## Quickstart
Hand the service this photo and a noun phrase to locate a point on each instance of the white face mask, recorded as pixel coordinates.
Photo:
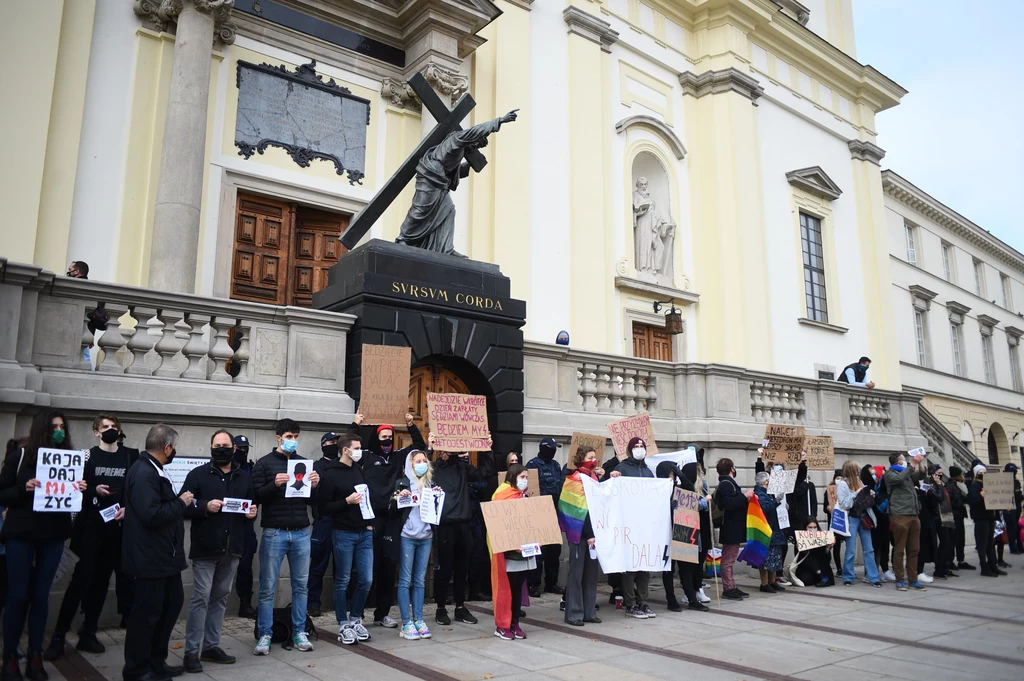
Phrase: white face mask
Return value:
(356, 454)
(777, 468)
(522, 484)
(639, 453)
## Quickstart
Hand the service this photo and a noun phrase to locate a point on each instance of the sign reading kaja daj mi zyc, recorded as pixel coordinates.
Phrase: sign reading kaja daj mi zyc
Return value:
(300, 113)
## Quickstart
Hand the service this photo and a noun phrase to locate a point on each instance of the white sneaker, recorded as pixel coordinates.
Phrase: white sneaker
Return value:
(262, 646)
(360, 631)
(781, 580)
(701, 597)
(881, 576)
(347, 635)
(925, 579)
(890, 576)
(387, 622)
(301, 642)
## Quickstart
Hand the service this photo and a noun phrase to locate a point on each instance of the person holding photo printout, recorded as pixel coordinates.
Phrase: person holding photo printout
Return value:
(904, 510)
(509, 569)
(574, 520)
(223, 494)
(95, 538)
(342, 496)
(284, 505)
(858, 500)
(34, 539)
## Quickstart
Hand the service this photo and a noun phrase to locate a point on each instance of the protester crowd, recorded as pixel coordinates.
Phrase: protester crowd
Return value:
(360, 518)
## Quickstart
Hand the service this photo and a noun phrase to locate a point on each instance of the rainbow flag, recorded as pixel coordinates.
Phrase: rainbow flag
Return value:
(759, 535)
(572, 509)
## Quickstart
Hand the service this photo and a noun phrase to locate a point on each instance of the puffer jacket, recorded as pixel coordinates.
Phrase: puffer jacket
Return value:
(276, 510)
(631, 468)
(902, 491)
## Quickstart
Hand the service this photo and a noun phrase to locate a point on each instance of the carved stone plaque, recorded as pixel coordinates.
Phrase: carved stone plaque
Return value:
(299, 112)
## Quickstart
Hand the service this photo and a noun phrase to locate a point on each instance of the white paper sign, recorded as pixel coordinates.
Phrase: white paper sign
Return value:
(408, 501)
(593, 552)
(431, 504)
(783, 514)
(917, 451)
(782, 482)
(232, 505)
(298, 479)
(530, 550)
(177, 470)
(364, 502)
(109, 512)
(58, 471)
(689, 455)
(632, 523)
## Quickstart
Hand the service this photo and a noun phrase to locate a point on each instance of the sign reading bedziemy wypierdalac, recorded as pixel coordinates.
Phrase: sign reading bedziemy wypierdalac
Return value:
(384, 384)
(632, 523)
(458, 422)
(58, 471)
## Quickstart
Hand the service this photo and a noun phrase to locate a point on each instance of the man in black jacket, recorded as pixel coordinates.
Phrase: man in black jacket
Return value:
(729, 497)
(320, 545)
(243, 578)
(382, 465)
(153, 552)
(959, 505)
(984, 525)
(218, 532)
(454, 537)
(285, 523)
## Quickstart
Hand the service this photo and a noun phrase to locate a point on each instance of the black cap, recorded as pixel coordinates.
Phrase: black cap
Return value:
(241, 441)
(328, 436)
(1010, 468)
(550, 443)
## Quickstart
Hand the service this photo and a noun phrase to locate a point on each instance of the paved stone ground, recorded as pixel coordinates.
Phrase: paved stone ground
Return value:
(967, 628)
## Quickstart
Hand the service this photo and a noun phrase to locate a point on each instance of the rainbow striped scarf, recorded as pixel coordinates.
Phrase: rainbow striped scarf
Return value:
(759, 535)
(572, 508)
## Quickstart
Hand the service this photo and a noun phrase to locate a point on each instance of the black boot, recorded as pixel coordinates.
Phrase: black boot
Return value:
(55, 651)
(11, 670)
(247, 611)
(34, 667)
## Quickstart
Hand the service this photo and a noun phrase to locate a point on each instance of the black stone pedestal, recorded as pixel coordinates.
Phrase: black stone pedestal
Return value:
(451, 311)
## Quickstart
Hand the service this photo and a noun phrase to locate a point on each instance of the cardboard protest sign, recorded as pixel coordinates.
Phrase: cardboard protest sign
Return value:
(781, 443)
(833, 496)
(458, 422)
(821, 455)
(179, 469)
(807, 540)
(632, 525)
(586, 440)
(685, 526)
(384, 384)
(624, 430)
(232, 505)
(998, 491)
(514, 523)
(532, 478)
(59, 471)
(782, 482)
(298, 479)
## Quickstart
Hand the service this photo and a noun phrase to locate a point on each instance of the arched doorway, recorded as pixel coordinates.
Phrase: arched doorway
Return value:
(998, 445)
(426, 379)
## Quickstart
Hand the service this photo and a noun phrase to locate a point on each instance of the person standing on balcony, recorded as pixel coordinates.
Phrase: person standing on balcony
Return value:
(285, 523)
(904, 510)
(243, 578)
(857, 374)
(549, 473)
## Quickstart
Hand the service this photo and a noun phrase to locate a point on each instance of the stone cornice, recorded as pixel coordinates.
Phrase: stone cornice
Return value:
(716, 82)
(524, 4)
(815, 181)
(922, 293)
(586, 25)
(866, 151)
(162, 15)
(985, 320)
(799, 10)
(957, 308)
(1013, 331)
(944, 216)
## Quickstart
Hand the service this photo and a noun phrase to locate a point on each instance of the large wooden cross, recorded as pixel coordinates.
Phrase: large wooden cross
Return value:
(447, 123)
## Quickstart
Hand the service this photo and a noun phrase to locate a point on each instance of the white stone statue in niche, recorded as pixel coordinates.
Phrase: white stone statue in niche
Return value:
(653, 236)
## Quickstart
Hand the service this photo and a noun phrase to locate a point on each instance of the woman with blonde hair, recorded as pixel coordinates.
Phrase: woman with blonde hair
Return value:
(857, 500)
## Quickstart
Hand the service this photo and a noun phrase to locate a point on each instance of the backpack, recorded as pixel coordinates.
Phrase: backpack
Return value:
(281, 628)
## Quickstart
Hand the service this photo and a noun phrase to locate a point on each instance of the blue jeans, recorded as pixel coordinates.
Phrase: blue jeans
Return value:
(349, 547)
(31, 567)
(870, 567)
(412, 571)
(275, 546)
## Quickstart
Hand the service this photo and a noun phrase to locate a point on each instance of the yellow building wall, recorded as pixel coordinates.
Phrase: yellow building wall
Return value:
(403, 131)
(954, 413)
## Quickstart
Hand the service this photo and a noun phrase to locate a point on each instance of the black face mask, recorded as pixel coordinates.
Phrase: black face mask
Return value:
(110, 435)
(330, 451)
(170, 457)
(222, 455)
(547, 453)
(386, 444)
(241, 455)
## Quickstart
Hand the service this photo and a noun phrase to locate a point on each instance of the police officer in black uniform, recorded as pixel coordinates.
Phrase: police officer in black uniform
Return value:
(243, 580)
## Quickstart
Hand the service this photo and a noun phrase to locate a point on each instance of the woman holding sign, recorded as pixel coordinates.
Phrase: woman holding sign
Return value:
(857, 500)
(509, 569)
(34, 540)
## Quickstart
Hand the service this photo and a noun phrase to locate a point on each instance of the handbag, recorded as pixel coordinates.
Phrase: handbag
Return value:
(840, 523)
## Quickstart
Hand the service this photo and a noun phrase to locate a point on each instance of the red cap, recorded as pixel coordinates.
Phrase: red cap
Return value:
(384, 426)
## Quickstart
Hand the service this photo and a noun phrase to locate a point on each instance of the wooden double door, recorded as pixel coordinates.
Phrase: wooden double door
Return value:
(282, 251)
(651, 342)
(431, 378)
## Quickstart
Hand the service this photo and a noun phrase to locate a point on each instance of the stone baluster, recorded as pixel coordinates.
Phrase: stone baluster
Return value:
(787, 403)
(220, 351)
(584, 387)
(652, 392)
(169, 344)
(776, 403)
(111, 340)
(195, 349)
(241, 356)
(141, 341)
(602, 396)
(590, 383)
(629, 401)
(755, 400)
(641, 392)
(617, 392)
(87, 340)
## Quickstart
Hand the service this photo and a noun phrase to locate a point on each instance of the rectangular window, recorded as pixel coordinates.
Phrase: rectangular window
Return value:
(979, 278)
(947, 262)
(988, 359)
(921, 333)
(908, 231)
(1007, 294)
(814, 268)
(956, 338)
(1015, 368)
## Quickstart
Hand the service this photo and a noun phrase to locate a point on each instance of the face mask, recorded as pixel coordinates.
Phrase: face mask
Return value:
(874, 477)
(420, 469)
(386, 444)
(639, 453)
(110, 435)
(521, 484)
(170, 457)
(330, 451)
(588, 465)
(776, 468)
(221, 455)
(547, 453)
(58, 436)
(289, 446)
(241, 455)
(356, 454)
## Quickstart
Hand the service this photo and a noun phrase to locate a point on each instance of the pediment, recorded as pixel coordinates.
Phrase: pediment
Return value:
(815, 181)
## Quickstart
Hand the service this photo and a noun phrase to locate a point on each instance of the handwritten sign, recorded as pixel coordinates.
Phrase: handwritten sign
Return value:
(586, 440)
(632, 523)
(458, 422)
(821, 455)
(513, 523)
(781, 443)
(59, 471)
(782, 482)
(232, 505)
(532, 480)
(624, 430)
(998, 491)
(298, 479)
(384, 384)
(807, 540)
(685, 526)
(833, 497)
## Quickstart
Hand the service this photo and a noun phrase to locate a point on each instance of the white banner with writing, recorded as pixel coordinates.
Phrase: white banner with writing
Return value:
(632, 523)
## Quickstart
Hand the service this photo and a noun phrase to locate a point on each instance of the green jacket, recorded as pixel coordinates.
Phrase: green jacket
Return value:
(902, 493)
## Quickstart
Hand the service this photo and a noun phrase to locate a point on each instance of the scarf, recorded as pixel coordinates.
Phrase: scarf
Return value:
(572, 506)
(898, 469)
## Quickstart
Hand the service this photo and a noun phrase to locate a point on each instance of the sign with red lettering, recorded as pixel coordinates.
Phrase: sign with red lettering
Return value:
(624, 430)
(685, 526)
(514, 523)
(458, 422)
(632, 523)
(58, 471)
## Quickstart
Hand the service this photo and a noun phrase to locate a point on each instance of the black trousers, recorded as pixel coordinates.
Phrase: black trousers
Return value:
(689, 577)
(881, 540)
(944, 551)
(243, 578)
(479, 559)
(321, 547)
(515, 584)
(383, 570)
(154, 613)
(452, 545)
(959, 536)
(547, 567)
(983, 541)
(90, 580)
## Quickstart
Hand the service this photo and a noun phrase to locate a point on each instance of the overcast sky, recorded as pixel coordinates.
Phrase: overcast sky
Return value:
(959, 134)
